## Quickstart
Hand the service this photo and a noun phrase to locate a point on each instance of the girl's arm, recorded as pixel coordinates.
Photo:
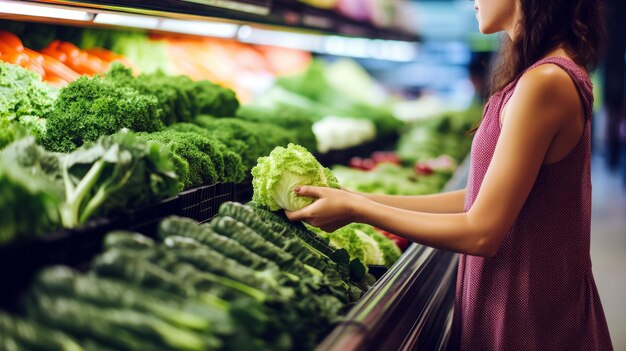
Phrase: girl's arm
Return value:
(448, 202)
(544, 102)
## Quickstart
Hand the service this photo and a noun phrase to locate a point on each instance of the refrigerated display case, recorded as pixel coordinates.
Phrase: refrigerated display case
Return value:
(411, 304)
(410, 307)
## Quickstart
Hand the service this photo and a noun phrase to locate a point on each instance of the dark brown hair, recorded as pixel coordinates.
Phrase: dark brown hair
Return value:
(544, 25)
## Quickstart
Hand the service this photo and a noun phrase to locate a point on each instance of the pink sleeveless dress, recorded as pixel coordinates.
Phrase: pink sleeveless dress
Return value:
(538, 291)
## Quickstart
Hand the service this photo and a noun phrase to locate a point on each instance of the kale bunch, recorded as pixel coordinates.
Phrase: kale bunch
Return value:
(92, 107)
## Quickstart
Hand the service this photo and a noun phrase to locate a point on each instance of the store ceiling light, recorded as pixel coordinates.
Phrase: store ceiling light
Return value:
(145, 22)
(18, 8)
(211, 29)
(299, 41)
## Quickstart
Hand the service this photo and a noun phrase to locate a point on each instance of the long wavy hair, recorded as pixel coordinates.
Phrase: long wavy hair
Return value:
(545, 24)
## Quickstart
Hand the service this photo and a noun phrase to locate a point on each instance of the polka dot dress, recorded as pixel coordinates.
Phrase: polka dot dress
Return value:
(538, 291)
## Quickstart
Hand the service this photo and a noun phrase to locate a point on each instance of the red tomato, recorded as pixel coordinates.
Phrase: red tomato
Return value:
(422, 169)
(385, 157)
(356, 162)
(368, 164)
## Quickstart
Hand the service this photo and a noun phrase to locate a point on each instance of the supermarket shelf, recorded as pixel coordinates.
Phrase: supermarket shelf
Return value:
(342, 157)
(410, 306)
(20, 260)
(279, 14)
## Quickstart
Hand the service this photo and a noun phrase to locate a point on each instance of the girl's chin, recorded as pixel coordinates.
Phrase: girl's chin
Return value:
(485, 29)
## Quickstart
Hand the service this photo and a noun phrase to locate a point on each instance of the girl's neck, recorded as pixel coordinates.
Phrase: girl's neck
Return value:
(561, 50)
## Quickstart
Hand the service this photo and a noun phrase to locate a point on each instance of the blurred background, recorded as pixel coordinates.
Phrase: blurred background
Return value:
(415, 61)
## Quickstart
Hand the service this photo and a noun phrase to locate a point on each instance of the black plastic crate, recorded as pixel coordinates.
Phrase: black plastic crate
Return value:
(145, 219)
(243, 191)
(203, 203)
(22, 259)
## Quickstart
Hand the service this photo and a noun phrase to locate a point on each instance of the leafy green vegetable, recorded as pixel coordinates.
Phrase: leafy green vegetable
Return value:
(389, 178)
(228, 163)
(253, 241)
(311, 82)
(36, 126)
(199, 166)
(391, 252)
(126, 329)
(320, 84)
(172, 226)
(214, 100)
(347, 239)
(275, 176)
(92, 107)
(22, 93)
(364, 243)
(372, 254)
(29, 199)
(248, 139)
(291, 119)
(442, 134)
(126, 239)
(110, 293)
(279, 236)
(31, 335)
(209, 161)
(27, 154)
(119, 171)
(136, 271)
(149, 55)
(174, 93)
(10, 131)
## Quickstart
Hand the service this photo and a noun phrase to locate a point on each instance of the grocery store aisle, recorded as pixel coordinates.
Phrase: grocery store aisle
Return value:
(608, 246)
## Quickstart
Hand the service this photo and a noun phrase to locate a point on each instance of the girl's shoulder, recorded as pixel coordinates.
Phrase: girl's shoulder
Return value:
(552, 80)
(547, 77)
(549, 92)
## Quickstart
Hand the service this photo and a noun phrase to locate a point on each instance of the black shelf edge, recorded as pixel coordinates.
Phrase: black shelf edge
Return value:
(279, 13)
(342, 157)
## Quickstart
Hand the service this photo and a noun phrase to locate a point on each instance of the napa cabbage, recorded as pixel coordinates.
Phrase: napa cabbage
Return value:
(275, 176)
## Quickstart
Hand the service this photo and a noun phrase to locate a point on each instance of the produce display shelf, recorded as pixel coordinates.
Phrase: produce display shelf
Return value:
(21, 259)
(280, 14)
(410, 306)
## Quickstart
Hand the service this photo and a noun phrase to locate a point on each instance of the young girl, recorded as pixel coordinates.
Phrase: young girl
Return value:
(522, 225)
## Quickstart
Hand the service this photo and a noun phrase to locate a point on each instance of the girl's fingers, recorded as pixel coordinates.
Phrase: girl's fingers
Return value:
(307, 190)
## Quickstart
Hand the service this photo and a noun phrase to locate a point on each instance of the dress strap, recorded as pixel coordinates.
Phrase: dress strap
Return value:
(579, 76)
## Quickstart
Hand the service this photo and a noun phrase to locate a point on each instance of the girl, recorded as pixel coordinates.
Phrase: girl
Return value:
(522, 225)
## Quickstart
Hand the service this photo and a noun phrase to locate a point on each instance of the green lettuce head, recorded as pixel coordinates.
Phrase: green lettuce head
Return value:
(275, 176)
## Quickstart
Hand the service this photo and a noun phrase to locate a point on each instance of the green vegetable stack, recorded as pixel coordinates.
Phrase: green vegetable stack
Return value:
(92, 107)
(248, 139)
(247, 280)
(42, 191)
(288, 118)
(116, 172)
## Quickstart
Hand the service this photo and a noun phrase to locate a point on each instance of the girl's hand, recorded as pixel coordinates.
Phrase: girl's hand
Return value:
(332, 210)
